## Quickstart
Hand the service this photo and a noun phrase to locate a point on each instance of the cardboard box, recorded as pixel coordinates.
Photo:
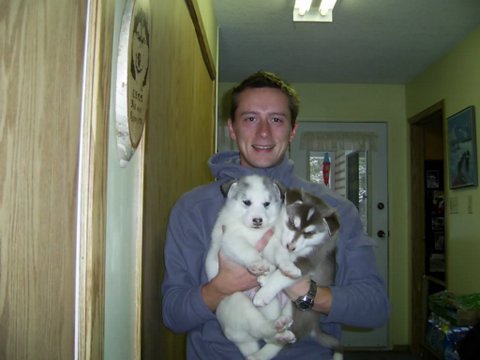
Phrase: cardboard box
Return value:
(463, 310)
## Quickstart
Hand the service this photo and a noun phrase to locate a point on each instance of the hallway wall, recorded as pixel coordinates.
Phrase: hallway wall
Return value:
(455, 79)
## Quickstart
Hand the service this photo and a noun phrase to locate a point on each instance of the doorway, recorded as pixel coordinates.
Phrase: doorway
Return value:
(356, 154)
(428, 252)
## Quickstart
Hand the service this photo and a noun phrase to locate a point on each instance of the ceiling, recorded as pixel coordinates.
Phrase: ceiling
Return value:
(369, 41)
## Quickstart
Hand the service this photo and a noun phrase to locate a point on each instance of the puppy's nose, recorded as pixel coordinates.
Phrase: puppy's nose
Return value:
(257, 221)
(291, 247)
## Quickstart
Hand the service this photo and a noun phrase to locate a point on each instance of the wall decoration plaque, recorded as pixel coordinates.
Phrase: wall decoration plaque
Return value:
(132, 87)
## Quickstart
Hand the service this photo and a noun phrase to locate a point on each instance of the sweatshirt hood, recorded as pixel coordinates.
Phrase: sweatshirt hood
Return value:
(226, 166)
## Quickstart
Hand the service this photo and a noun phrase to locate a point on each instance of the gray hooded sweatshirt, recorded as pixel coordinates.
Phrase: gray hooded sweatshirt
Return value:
(359, 295)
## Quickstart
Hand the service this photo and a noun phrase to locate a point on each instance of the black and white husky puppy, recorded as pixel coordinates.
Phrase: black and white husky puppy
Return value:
(305, 248)
(252, 207)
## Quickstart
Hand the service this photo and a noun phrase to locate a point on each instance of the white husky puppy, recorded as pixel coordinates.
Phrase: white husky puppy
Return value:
(253, 204)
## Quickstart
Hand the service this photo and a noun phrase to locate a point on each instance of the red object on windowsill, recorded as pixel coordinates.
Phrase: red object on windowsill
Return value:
(326, 169)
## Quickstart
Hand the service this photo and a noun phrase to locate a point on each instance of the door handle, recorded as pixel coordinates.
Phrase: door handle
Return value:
(381, 233)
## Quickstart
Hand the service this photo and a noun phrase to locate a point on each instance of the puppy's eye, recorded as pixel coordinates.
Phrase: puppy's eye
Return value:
(308, 234)
(266, 204)
(290, 224)
(247, 202)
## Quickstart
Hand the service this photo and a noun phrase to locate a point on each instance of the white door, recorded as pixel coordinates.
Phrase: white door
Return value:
(356, 155)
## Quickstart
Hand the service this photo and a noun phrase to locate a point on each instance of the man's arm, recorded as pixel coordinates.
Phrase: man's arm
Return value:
(183, 307)
(361, 301)
(360, 298)
(323, 297)
(231, 278)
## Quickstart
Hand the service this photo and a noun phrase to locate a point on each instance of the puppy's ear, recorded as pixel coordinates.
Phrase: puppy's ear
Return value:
(294, 196)
(329, 213)
(281, 188)
(332, 223)
(225, 187)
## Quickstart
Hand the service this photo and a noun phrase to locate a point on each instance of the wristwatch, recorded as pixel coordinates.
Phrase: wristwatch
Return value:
(305, 302)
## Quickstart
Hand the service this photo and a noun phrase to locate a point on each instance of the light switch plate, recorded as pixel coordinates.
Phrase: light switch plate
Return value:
(453, 205)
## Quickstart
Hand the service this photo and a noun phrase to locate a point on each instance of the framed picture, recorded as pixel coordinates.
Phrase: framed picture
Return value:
(439, 241)
(433, 179)
(438, 223)
(438, 203)
(462, 149)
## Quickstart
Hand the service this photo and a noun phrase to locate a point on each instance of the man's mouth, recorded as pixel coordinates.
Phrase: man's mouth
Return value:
(263, 147)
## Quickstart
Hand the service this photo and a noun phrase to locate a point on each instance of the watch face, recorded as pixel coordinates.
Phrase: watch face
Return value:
(303, 306)
(304, 303)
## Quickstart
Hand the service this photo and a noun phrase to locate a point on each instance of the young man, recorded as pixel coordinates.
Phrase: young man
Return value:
(262, 123)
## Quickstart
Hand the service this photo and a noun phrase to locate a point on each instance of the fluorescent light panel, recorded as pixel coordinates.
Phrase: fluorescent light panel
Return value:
(303, 11)
(326, 6)
(303, 6)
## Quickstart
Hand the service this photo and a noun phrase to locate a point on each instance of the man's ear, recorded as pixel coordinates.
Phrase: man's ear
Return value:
(231, 131)
(294, 131)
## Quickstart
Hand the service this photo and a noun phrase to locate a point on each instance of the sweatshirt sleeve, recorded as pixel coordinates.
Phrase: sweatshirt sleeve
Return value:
(183, 308)
(359, 295)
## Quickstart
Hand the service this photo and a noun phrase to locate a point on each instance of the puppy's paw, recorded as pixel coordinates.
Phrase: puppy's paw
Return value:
(262, 279)
(262, 297)
(286, 337)
(283, 323)
(289, 269)
(260, 267)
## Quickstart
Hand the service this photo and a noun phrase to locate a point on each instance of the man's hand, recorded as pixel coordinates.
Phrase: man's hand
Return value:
(323, 298)
(231, 277)
(264, 240)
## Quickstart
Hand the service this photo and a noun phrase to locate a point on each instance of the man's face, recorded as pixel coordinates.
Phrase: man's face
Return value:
(262, 128)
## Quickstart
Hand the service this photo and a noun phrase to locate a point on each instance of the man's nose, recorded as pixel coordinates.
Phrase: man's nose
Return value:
(264, 128)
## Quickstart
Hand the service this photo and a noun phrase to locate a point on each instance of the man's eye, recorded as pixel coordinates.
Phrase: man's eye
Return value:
(250, 118)
(266, 204)
(247, 202)
(277, 120)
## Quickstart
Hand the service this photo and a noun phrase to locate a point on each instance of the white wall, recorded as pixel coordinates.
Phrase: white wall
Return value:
(122, 232)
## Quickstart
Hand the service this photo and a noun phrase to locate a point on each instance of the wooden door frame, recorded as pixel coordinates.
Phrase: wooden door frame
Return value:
(417, 221)
(91, 190)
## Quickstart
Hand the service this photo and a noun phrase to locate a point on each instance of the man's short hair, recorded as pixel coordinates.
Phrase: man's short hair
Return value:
(265, 79)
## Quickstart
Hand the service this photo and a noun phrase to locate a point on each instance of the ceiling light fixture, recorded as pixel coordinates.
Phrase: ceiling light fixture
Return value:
(326, 7)
(302, 11)
(303, 6)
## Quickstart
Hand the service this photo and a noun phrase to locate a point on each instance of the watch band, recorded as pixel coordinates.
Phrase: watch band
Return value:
(305, 302)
